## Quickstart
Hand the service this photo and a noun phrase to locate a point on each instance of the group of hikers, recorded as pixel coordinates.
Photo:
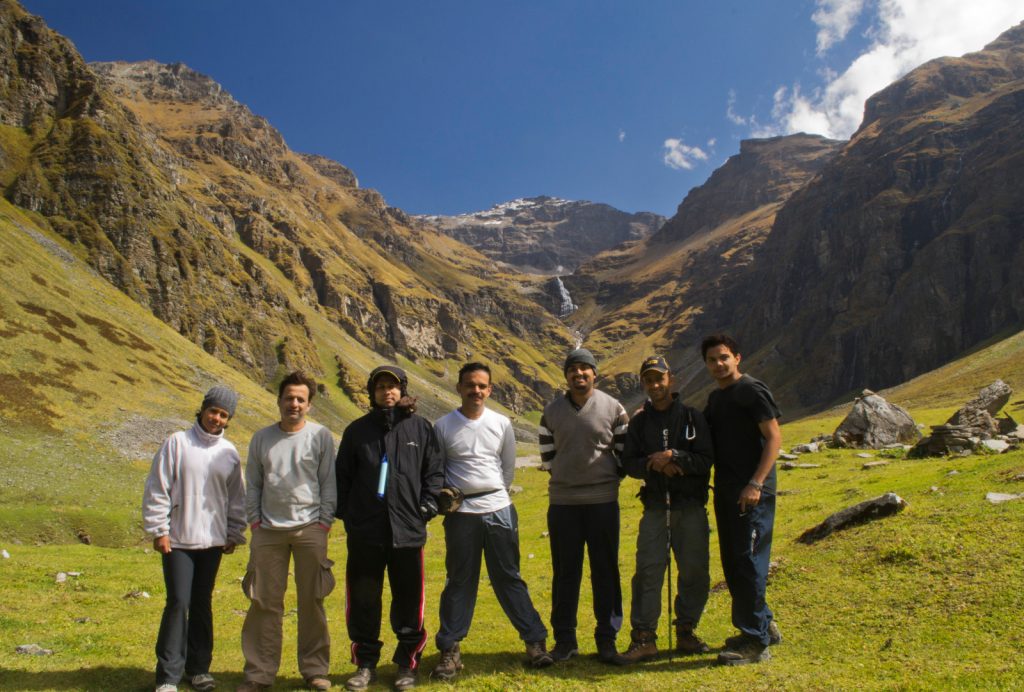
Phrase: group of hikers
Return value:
(394, 472)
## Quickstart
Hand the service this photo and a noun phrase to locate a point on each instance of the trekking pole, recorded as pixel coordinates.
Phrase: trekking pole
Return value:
(668, 533)
(668, 541)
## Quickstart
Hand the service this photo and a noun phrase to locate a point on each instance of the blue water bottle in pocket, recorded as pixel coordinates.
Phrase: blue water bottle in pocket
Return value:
(382, 480)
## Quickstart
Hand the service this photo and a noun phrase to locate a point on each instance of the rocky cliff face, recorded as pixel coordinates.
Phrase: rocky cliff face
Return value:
(545, 234)
(195, 207)
(905, 251)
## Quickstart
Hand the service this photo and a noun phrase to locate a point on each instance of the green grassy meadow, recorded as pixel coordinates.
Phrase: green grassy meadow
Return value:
(928, 599)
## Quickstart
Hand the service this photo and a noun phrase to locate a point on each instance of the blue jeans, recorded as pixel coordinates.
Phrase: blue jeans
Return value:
(185, 643)
(690, 533)
(496, 536)
(745, 543)
(570, 529)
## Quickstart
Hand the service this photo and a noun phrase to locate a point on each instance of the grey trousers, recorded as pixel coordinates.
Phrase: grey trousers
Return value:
(185, 643)
(496, 536)
(690, 533)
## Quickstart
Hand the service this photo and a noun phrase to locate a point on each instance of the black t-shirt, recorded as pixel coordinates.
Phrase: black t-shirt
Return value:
(734, 414)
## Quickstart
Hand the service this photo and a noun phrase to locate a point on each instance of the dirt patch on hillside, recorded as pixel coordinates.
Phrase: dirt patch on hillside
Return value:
(138, 437)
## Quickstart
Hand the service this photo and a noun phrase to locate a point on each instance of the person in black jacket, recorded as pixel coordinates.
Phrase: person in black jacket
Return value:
(669, 446)
(390, 470)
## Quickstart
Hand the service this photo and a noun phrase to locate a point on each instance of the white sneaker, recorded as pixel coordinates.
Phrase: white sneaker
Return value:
(167, 688)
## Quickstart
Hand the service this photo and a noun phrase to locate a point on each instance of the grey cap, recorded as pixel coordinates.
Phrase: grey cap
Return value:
(221, 397)
(580, 355)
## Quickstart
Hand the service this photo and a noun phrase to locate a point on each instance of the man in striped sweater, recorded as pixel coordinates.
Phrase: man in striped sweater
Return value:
(581, 437)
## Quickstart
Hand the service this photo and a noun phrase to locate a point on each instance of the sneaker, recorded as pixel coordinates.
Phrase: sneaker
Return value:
(318, 682)
(749, 650)
(450, 665)
(362, 679)
(774, 637)
(538, 654)
(203, 682)
(250, 686)
(563, 651)
(607, 653)
(167, 687)
(641, 648)
(689, 643)
(406, 678)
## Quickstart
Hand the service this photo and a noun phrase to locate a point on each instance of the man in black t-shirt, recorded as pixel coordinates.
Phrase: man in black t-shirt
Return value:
(744, 422)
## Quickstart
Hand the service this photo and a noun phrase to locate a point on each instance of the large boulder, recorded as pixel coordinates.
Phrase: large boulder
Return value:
(874, 423)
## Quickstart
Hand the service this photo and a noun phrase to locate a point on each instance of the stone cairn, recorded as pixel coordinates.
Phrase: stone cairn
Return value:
(972, 425)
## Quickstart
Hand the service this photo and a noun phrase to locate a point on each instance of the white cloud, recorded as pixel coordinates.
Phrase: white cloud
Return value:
(680, 156)
(712, 142)
(622, 135)
(903, 35)
(730, 110)
(835, 18)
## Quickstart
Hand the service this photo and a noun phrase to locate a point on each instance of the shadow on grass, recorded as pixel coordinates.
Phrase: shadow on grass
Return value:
(585, 668)
(111, 679)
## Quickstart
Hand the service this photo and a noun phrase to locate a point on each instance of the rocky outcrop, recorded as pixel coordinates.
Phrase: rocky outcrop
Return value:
(765, 172)
(973, 427)
(546, 234)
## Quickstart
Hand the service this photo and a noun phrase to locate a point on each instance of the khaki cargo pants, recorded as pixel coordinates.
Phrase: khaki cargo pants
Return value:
(265, 582)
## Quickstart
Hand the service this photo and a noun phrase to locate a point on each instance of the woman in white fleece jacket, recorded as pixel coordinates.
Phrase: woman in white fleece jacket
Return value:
(194, 507)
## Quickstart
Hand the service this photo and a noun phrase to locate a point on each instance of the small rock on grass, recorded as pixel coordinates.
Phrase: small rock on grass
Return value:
(874, 464)
(999, 498)
(6, 555)
(135, 593)
(33, 650)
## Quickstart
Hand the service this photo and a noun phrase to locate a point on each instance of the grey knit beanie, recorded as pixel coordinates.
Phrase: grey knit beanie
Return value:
(221, 397)
(580, 355)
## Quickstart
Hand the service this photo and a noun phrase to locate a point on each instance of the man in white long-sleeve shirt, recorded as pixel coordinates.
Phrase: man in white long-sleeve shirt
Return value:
(480, 460)
(290, 500)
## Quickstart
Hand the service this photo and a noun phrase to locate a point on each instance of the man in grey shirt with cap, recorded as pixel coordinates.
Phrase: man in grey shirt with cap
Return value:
(581, 437)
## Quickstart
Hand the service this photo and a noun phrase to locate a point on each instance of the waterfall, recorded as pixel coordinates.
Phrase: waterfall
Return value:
(567, 307)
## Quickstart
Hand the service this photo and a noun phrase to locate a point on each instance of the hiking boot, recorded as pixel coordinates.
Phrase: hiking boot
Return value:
(774, 637)
(406, 678)
(563, 651)
(688, 643)
(362, 679)
(607, 653)
(319, 683)
(749, 650)
(538, 654)
(203, 682)
(641, 648)
(450, 665)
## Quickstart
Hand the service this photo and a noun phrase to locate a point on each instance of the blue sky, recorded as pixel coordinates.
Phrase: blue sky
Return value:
(448, 107)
